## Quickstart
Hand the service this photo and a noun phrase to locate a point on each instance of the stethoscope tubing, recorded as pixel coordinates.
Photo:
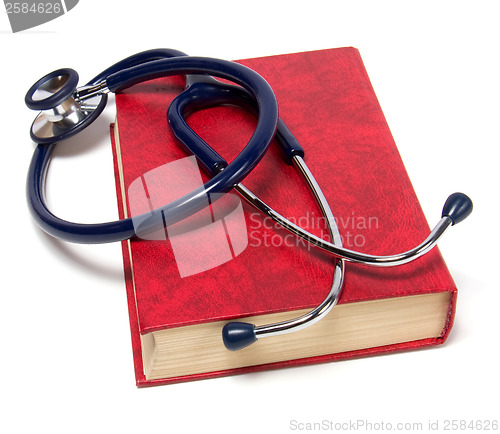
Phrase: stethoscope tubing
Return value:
(183, 207)
(135, 60)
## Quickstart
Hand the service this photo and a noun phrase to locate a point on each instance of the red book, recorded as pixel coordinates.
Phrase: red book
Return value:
(326, 99)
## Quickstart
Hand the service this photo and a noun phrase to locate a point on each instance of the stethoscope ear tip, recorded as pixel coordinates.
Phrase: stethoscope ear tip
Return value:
(238, 335)
(457, 207)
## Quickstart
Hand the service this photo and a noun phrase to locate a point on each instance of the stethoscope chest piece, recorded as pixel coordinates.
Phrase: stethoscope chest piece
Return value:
(64, 109)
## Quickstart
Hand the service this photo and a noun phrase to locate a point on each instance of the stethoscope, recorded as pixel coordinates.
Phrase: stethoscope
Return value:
(66, 109)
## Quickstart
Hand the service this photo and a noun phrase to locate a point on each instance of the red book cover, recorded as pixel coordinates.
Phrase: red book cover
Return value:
(326, 100)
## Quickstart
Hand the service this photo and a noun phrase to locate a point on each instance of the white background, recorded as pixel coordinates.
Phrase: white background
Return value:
(66, 360)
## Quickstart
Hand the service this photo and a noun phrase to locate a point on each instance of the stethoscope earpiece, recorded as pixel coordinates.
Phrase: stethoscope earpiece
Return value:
(457, 207)
(63, 110)
(238, 335)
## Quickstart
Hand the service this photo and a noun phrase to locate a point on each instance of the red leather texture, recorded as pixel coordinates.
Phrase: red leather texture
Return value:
(327, 101)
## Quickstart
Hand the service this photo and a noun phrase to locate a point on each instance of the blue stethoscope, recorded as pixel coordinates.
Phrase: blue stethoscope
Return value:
(66, 109)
